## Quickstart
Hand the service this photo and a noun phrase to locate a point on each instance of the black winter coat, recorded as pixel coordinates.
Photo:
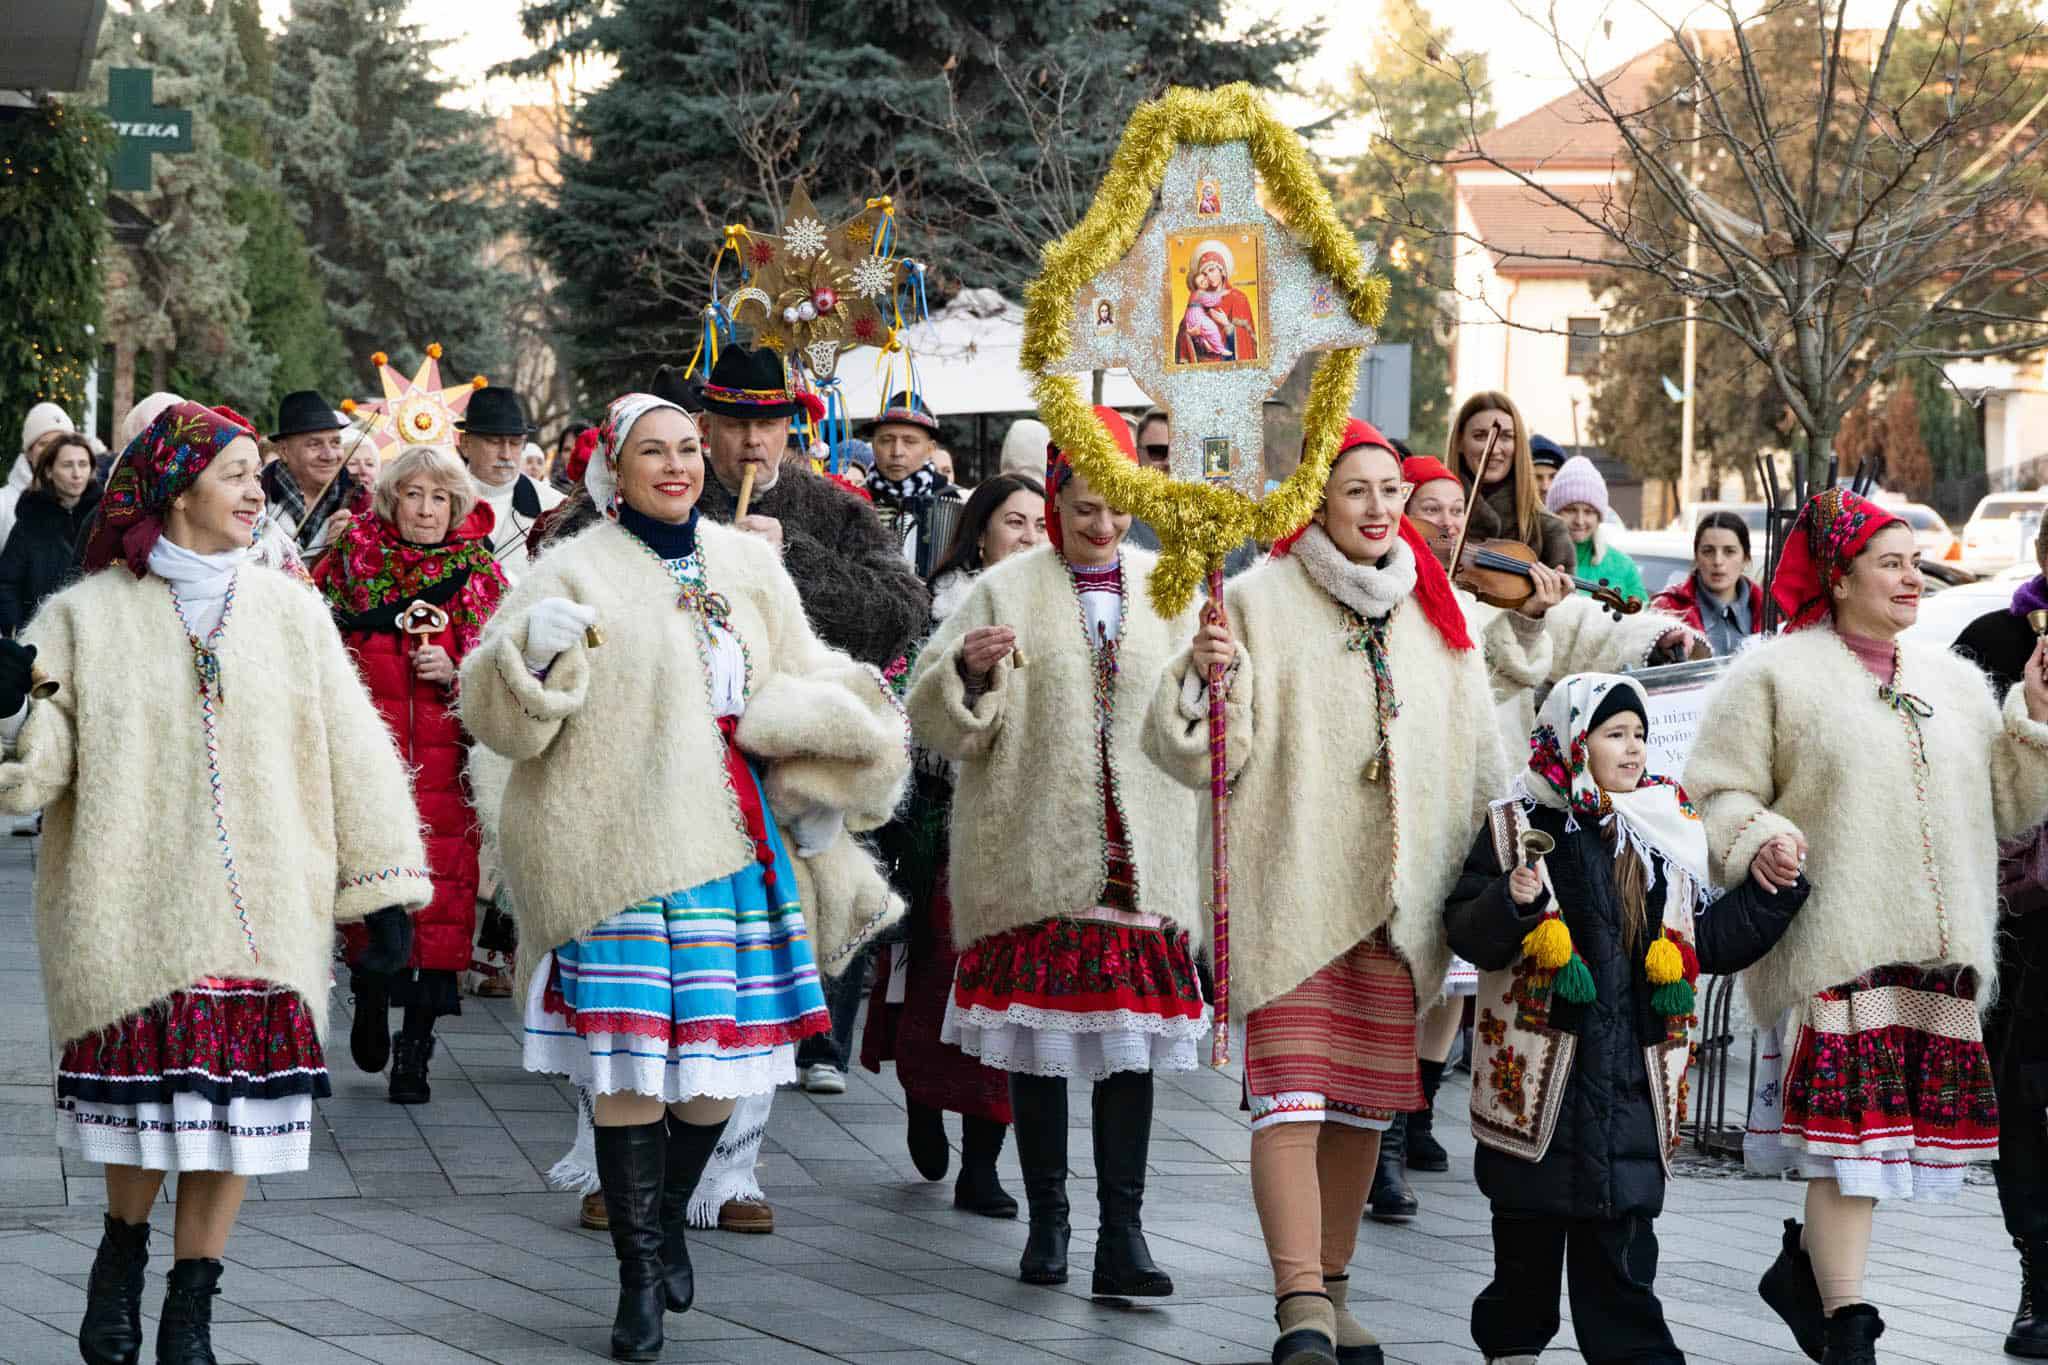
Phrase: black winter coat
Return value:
(1603, 1161)
(42, 552)
(2016, 1029)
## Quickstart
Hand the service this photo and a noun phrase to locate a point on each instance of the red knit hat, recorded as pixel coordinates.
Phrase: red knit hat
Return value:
(1433, 592)
(1059, 470)
(1422, 469)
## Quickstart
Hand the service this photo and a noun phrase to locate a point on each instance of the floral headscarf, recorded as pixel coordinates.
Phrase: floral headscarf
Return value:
(1656, 819)
(158, 465)
(1831, 531)
(372, 575)
(601, 476)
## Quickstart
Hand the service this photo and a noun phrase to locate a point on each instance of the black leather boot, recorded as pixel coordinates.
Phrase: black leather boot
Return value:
(184, 1334)
(1308, 1330)
(1424, 1152)
(2029, 1334)
(1853, 1331)
(977, 1190)
(1794, 1295)
(369, 1033)
(1390, 1200)
(689, 1151)
(925, 1135)
(111, 1333)
(409, 1070)
(1039, 1106)
(631, 1162)
(1123, 1136)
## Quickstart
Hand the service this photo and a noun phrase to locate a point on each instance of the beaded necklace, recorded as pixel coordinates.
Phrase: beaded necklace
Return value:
(206, 666)
(1368, 636)
(695, 595)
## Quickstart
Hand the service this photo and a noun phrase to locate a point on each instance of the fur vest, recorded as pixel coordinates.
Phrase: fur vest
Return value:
(1322, 856)
(153, 858)
(1903, 852)
(1029, 811)
(612, 797)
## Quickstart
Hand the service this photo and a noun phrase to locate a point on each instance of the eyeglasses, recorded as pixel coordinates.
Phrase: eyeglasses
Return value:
(1158, 452)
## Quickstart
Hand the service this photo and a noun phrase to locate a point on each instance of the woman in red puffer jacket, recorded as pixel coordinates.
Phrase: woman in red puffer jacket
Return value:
(411, 586)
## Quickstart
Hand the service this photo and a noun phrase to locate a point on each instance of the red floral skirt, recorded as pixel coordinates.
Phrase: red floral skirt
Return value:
(934, 1073)
(1082, 967)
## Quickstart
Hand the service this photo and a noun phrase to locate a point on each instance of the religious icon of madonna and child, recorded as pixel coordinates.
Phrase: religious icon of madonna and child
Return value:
(1214, 286)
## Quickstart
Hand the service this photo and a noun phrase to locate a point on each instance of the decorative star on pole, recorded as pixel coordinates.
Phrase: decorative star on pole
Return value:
(415, 411)
(819, 289)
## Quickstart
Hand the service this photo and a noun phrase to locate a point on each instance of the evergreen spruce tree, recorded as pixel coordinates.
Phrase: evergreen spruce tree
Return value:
(395, 191)
(989, 126)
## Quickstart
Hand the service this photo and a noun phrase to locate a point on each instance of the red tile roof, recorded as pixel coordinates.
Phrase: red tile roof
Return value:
(1527, 231)
(1571, 129)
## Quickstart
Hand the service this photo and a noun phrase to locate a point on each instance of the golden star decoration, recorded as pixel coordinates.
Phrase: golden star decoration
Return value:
(819, 290)
(416, 411)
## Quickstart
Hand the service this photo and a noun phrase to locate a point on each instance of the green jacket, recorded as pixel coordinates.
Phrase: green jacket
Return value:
(1614, 568)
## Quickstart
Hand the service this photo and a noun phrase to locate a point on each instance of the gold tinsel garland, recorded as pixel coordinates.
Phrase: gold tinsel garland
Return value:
(1198, 524)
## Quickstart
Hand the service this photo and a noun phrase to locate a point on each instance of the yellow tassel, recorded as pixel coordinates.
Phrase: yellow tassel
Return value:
(1663, 963)
(1199, 524)
(1549, 943)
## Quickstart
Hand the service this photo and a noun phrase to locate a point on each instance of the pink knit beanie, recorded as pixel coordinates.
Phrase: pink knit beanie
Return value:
(1578, 481)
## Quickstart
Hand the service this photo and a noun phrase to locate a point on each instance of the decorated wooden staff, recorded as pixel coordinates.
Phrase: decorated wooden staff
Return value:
(1209, 263)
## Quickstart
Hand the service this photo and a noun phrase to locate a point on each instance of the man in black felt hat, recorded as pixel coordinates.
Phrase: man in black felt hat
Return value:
(493, 432)
(307, 483)
(915, 502)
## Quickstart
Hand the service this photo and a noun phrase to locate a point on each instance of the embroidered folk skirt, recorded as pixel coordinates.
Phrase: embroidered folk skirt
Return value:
(1881, 1084)
(907, 1014)
(705, 991)
(220, 1076)
(1338, 1048)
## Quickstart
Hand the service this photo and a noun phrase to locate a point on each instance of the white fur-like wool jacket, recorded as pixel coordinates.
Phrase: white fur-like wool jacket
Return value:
(1028, 811)
(1320, 857)
(140, 872)
(1796, 740)
(1578, 635)
(617, 790)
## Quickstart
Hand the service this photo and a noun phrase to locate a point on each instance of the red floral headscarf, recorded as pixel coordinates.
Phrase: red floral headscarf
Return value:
(1059, 470)
(165, 460)
(1432, 585)
(1831, 531)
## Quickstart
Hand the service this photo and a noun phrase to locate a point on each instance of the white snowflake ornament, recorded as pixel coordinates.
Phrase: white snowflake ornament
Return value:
(804, 238)
(874, 277)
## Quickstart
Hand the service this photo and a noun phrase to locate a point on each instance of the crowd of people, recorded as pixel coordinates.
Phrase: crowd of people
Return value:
(688, 748)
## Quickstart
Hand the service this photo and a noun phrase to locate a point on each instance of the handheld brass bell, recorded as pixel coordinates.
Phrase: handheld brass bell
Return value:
(1535, 845)
(592, 637)
(2037, 619)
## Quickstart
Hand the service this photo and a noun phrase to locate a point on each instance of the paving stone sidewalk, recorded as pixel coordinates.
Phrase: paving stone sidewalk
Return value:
(426, 1236)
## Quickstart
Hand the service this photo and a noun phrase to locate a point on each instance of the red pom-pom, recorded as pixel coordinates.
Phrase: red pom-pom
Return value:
(1686, 955)
(813, 405)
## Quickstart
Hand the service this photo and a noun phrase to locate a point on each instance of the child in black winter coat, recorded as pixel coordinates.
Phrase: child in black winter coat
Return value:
(1589, 957)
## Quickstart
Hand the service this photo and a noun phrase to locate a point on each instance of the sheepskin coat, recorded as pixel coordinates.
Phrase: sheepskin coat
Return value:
(1029, 812)
(1320, 857)
(137, 885)
(1796, 740)
(616, 791)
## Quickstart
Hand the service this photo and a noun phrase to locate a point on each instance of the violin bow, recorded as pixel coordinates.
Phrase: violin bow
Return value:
(1458, 550)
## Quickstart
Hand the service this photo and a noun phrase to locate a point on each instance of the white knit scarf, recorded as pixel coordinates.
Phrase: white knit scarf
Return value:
(201, 581)
(1371, 590)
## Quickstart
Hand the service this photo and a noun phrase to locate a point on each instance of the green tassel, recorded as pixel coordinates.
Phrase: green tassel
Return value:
(1674, 998)
(1574, 983)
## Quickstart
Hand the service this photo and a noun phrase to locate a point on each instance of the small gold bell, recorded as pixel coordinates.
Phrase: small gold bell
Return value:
(1375, 768)
(2037, 620)
(592, 637)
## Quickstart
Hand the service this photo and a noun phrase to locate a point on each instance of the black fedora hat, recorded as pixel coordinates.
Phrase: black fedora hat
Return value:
(748, 383)
(305, 411)
(904, 410)
(673, 382)
(495, 411)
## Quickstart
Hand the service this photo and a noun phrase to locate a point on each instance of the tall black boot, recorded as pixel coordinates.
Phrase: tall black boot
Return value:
(184, 1334)
(1039, 1106)
(2029, 1334)
(925, 1135)
(369, 1033)
(1794, 1295)
(1853, 1330)
(1425, 1153)
(1123, 1136)
(630, 1167)
(1391, 1201)
(689, 1151)
(409, 1067)
(977, 1190)
(111, 1333)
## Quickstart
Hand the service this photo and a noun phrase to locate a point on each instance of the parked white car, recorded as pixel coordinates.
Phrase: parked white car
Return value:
(2001, 531)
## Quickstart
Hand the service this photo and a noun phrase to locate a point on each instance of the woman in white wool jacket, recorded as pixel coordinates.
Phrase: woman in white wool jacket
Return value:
(1072, 861)
(1887, 770)
(218, 794)
(674, 972)
(1360, 722)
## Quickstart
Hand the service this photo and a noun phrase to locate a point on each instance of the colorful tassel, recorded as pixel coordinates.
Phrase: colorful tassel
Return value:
(1549, 943)
(1574, 984)
(1663, 963)
(1690, 958)
(1673, 998)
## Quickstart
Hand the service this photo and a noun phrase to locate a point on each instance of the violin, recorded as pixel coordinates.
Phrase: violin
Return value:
(1497, 573)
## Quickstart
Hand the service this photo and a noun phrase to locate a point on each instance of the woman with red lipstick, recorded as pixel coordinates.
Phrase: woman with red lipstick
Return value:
(1361, 727)
(1075, 956)
(1874, 1082)
(638, 751)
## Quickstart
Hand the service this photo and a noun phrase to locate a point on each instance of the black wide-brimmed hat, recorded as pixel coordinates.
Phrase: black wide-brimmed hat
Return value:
(673, 383)
(306, 411)
(495, 411)
(748, 383)
(904, 410)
